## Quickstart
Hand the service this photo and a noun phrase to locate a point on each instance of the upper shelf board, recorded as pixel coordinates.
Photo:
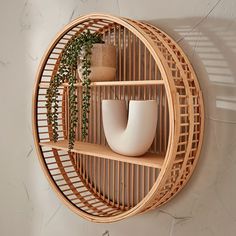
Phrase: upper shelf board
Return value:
(115, 83)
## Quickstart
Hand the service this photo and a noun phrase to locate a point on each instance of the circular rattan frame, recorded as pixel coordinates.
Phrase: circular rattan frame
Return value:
(136, 187)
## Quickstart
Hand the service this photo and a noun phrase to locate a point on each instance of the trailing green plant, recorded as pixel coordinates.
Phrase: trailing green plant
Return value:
(78, 49)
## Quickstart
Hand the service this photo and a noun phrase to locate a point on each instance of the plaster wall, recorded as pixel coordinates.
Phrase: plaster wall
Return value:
(206, 30)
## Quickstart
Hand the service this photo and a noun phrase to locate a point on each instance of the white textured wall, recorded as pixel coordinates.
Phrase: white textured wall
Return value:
(206, 29)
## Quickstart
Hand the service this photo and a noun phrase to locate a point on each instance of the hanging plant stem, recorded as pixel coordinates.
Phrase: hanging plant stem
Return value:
(72, 111)
(52, 105)
(86, 63)
(80, 47)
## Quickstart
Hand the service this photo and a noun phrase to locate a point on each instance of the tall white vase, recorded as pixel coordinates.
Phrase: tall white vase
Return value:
(132, 134)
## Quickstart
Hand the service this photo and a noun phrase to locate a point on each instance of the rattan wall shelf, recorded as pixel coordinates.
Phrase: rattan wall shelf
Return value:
(92, 180)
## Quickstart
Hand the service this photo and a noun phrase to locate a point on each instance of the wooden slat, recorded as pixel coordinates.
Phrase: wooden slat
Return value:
(149, 159)
(115, 83)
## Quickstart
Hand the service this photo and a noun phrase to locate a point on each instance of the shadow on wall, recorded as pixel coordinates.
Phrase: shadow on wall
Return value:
(210, 44)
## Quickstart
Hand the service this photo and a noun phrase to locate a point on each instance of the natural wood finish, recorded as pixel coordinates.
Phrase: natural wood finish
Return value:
(114, 83)
(92, 180)
(148, 159)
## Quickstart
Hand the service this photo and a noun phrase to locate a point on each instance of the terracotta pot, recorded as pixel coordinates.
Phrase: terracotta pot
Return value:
(129, 134)
(103, 63)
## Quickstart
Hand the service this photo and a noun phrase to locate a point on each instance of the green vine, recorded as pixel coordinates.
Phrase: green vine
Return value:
(79, 48)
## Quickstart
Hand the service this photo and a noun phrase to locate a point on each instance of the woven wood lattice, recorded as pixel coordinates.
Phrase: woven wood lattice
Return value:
(93, 181)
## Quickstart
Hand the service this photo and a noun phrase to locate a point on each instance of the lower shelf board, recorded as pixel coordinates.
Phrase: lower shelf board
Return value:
(148, 159)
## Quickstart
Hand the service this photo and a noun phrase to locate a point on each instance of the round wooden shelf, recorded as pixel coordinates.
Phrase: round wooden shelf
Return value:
(92, 180)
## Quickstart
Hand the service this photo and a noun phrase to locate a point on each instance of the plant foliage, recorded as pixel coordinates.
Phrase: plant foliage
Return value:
(78, 49)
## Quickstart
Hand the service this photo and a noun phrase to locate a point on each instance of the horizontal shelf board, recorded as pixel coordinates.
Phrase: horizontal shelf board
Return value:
(148, 159)
(114, 83)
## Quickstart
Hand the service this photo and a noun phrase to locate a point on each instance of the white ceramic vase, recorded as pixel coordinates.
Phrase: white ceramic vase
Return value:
(129, 134)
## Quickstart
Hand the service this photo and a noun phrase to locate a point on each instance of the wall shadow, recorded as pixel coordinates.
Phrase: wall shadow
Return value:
(211, 47)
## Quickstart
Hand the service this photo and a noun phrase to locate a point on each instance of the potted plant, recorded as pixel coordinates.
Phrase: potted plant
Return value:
(88, 53)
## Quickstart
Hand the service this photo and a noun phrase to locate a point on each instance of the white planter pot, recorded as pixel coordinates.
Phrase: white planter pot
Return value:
(132, 134)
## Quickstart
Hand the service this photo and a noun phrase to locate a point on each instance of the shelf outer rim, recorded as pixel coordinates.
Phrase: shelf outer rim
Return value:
(171, 96)
(201, 99)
